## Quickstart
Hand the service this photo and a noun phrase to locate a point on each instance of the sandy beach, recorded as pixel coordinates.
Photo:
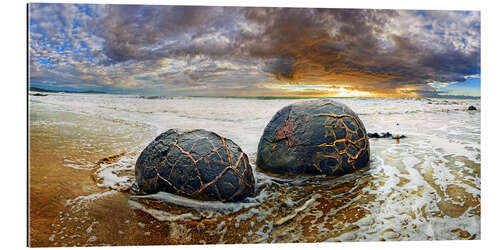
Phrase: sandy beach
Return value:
(83, 148)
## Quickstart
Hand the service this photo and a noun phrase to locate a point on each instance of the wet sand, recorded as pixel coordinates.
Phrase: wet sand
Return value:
(58, 176)
(81, 174)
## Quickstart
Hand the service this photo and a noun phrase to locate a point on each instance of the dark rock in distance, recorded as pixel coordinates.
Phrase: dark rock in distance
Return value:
(199, 164)
(377, 135)
(472, 108)
(385, 135)
(314, 137)
(397, 137)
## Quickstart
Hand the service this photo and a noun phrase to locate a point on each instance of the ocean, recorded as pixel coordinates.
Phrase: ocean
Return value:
(83, 148)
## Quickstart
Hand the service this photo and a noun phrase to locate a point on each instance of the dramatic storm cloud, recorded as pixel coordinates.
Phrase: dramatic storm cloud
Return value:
(175, 50)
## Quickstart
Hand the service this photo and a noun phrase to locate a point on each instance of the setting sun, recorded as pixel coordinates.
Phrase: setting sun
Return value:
(321, 90)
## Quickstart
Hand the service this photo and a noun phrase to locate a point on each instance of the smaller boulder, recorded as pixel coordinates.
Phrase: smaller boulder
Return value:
(471, 108)
(199, 164)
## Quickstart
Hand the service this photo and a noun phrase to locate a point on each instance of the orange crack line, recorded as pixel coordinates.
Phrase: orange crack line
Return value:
(195, 143)
(340, 140)
(345, 126)
(188, 154)
(214, 180)
(172, 167)
(336, 116)
(216, 150)
(348, 132)
(223, 172)
(185, 152)
(227, 150)
(167, 181)
(235, 193)
(235, 168)
(319, 169)
(237, 162)
(176, 189)
(161, 177)
(175, 163)
(245, 170)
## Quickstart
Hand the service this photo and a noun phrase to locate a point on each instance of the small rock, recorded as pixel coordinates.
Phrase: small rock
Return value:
(398, 136)
(386, 135)
(472, 108)
(377, 135)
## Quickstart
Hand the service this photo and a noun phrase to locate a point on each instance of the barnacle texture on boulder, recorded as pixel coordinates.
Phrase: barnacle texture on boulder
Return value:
(314, 137)
(199, 164)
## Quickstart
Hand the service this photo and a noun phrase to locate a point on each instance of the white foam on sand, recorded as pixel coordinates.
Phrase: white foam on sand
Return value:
(450, 147)
(296, 211)
(404, 205)
(162, 215)
(118, 174)
(242, 120)
(197, 204)
(82, 202)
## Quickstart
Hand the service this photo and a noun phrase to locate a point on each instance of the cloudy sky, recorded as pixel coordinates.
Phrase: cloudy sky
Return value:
(228, 51)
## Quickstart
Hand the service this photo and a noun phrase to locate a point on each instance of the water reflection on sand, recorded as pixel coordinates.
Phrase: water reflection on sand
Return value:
(83, 150)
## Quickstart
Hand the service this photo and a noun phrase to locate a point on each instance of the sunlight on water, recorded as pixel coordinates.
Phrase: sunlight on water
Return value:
(426, 187)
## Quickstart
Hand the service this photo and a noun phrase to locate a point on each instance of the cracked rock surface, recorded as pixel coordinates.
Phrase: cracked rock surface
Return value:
(198, 164)
(314, 137)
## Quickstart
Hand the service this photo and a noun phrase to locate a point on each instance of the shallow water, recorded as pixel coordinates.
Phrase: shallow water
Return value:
(83, 150)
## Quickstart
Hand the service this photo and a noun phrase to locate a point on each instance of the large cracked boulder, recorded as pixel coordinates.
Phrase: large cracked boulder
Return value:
(199, 164)
(314, 137)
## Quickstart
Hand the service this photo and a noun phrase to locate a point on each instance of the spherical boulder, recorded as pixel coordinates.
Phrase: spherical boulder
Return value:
(199, 164)
(314, 137)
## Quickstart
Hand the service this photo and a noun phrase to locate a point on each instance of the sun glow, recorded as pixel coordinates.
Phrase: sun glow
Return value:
(321, 90)
(408, 92)
(343, 92)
